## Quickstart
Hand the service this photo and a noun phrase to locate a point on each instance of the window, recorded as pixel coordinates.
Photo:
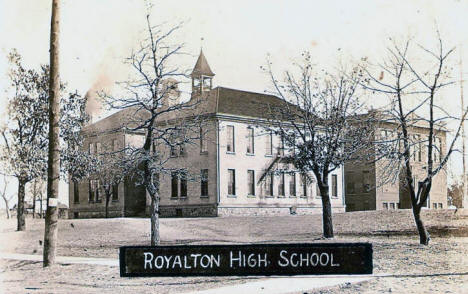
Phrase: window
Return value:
(230, 139)
(251, 182)
(281, 146)
(76, 192)
(250, 138)
(174, 185)
(115, 192)
(392, 205)
(114, 145)
(183, 184)
(437, 147)
(269, 144)
(231, 182)
(385, 205)
(96, 189)
(98, 148)
(440, 206)
(173, 151)
(204, 183)
(350, 183)
(93, 191)
(292, 184)
(334, 186)
(435, 150)
(292, 148)
(434, 205)
(304, 185)
(269, 185)
(365, 181)
(203, 142)
(418, 146)
(182, 151)
(90, 191)
(91, 148)
(173, 145)
(440, 152)
(281, 185)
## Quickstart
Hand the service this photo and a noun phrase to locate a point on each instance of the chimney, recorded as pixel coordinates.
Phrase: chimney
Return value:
(171, 93)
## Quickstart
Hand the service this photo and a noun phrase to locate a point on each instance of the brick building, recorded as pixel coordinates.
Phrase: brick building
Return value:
(370, 186)
(233, 155)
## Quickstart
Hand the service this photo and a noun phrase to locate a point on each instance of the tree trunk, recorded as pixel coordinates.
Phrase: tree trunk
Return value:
(7, 207)
(40, 209)
(424, 236)
(53, 163)
(20, 207)
(34, 199)
(155, 238)
(327, 221)
(108, 195)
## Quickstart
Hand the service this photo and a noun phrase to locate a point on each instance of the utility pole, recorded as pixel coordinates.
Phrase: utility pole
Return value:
(53, 162)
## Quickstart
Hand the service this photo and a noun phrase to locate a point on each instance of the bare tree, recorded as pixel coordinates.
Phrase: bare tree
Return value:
(112, 168)
(166, 122)
(321, 121)
(5, 197)
(413, 90)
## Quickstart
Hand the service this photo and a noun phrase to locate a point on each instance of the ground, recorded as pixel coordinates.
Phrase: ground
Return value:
(401, 265)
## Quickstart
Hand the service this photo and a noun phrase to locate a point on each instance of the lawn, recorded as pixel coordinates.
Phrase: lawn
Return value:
(403, 266)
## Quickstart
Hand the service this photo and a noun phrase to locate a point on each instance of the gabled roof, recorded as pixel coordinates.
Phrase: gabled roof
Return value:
(244, 103)
(201, 67)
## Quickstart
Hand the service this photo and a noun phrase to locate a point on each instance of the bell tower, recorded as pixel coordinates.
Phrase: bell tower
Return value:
(202, 76)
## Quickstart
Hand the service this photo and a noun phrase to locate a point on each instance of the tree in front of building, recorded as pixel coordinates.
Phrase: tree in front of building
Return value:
(455, 194)
(319, 121)
(152, 94)
(112, 166)
(414, 87)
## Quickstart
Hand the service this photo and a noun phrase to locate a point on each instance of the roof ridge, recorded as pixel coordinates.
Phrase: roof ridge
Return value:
(246, 91)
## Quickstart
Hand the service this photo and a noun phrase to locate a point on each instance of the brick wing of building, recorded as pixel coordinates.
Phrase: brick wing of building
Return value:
(372, 186)
(233, 155)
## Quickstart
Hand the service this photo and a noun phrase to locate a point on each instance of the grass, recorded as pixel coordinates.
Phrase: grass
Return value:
(396, 249)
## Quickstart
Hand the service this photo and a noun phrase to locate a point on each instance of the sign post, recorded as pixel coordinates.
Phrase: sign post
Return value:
(247, 260)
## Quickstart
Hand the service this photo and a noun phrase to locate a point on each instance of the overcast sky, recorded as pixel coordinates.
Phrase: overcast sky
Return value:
(97, 34)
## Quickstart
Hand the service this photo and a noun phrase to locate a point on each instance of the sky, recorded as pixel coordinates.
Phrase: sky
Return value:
(237, 37)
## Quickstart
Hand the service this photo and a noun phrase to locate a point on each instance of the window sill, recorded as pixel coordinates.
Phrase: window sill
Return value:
(231, 152)
(203, 152)
(292, 196)
(115, 200)
(250, 154)
(231, 196)
(174, 198)
(305, 197)
(268, 155)
(204, 196)
(269, 196)
(281, 196)
(250, 196)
